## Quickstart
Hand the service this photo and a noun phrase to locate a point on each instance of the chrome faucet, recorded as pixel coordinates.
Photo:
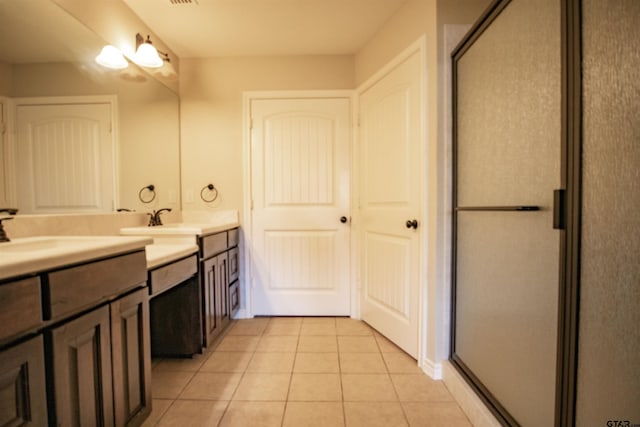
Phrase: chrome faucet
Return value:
(154, 218)
(3, 233)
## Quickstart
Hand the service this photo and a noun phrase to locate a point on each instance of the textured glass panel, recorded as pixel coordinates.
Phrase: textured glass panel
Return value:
(508, 109)
(506, 306)
(508, 147)
(609, 337)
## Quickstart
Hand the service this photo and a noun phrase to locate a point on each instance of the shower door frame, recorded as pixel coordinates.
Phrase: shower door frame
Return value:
(567, 209)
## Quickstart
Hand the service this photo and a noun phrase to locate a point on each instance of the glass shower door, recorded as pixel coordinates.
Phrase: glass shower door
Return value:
(506, 252)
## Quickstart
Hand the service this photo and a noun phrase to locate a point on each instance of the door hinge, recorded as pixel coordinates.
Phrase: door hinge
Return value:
(3, 128)
(251, 204)
(251, 123)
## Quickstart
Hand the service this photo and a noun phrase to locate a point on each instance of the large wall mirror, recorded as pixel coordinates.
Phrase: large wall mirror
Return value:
(47, 63)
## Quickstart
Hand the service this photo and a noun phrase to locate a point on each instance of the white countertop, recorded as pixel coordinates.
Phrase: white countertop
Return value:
(30, 255)
(181, 229)
(163, 253)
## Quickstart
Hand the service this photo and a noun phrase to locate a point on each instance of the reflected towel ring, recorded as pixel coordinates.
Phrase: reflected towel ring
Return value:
(152, 190)
(211, 188)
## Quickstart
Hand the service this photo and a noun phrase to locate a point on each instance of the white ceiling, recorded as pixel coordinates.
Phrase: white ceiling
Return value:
(211, 28)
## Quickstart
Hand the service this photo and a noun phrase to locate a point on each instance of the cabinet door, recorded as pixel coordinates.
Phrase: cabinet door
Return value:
(234, 265)
(234, 297)
(82, 383)
(210, 274)
(22, 385)
(130, 350)
(222, 289)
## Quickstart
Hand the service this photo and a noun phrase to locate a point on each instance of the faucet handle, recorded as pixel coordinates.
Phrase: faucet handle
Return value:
(3, 233)
(152, 219)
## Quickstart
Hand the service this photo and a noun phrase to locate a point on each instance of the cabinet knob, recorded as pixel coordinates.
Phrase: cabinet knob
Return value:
(343, 219)
(412, 223)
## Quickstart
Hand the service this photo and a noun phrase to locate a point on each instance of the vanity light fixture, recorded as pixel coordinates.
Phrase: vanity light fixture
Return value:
(146, 53)
(167, 70)
(112, 57)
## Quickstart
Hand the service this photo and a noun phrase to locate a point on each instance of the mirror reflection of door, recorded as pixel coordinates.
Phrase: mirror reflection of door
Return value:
(65, 158)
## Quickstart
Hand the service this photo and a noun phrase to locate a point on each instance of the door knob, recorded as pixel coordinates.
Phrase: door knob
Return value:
(343, 219)
(412, 223)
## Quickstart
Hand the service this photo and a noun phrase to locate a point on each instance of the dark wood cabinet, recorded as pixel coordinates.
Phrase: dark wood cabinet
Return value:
(234, 297)
(234, 278)
(130, 344)
(176, 321)
(216, 304)
(97, 348)
(219, 275)
(23, 401)
(81, 376)
(234, 265)
(76, 349)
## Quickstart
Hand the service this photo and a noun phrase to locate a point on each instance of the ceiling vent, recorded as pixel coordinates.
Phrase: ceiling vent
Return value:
(183, 1)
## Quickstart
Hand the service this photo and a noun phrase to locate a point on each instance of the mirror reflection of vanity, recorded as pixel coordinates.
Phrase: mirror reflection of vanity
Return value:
(47, 66)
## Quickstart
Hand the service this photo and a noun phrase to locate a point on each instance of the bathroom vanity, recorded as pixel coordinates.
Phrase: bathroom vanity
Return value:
(218, 266)
(74, 340)
(174, 292)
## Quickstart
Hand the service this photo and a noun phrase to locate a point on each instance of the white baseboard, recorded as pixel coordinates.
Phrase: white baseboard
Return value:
(434, 370)
(241, 314)
(473, 407)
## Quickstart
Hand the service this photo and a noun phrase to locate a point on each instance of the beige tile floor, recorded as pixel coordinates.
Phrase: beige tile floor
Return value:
(300, 372)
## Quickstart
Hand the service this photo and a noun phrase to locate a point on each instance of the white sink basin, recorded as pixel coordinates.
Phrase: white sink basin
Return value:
(29, 255)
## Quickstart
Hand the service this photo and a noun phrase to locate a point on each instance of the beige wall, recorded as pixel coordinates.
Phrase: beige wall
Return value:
(211, 94)
(6, 78)
(411, 21)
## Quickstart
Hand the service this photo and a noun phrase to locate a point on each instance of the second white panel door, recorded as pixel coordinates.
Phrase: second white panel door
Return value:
(300, 173)
(390, 159)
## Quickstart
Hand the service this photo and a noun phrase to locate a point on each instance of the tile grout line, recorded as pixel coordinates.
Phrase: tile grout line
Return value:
(286, 400)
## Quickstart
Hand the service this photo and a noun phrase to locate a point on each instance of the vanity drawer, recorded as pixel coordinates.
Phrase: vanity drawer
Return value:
(20, 306)
(77, 287)
(214, 244)
(172, 274)
(233, 237)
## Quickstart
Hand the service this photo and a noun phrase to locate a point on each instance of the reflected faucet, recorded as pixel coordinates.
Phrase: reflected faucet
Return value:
(154, 218)
(3, 233)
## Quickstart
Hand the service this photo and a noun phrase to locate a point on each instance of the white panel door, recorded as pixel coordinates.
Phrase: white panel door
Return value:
(300, 190)
(65, 158)
(391, 157)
